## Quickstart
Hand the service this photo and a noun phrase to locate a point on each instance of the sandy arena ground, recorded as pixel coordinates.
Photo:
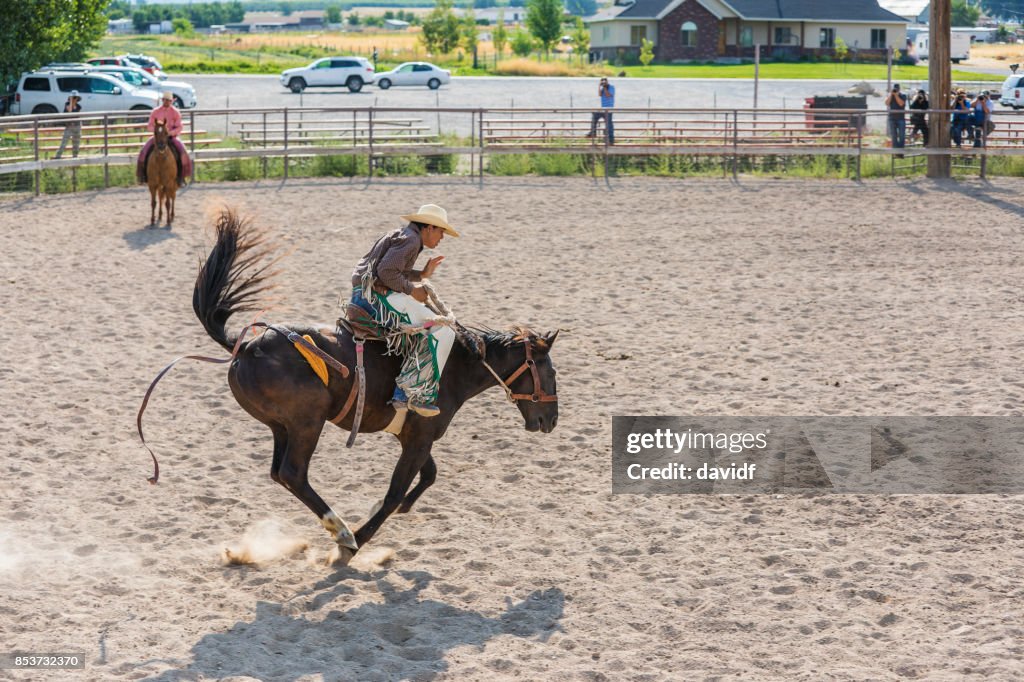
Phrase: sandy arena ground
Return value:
(675, 298)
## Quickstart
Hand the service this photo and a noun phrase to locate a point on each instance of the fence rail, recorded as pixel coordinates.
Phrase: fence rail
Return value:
(28, 143)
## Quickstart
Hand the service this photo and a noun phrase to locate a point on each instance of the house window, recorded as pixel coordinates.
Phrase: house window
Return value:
(783, 35)
(878, 38)
(747, 36)
(688, 34)
(605, 34)
(637, 34)
(827, 38)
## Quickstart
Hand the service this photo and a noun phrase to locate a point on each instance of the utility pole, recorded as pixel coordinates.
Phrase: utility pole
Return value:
(939, 76)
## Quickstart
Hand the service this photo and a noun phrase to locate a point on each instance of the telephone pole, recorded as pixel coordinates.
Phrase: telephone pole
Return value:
(939, 77)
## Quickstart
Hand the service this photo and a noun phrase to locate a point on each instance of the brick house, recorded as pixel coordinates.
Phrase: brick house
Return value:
(708, 30)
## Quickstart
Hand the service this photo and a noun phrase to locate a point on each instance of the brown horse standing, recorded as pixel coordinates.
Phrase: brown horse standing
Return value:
(162, 176)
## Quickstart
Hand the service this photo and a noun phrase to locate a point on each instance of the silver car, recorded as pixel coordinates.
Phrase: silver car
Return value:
(414, 73)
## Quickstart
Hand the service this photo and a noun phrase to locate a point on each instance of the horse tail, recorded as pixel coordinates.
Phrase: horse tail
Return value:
(237, 272)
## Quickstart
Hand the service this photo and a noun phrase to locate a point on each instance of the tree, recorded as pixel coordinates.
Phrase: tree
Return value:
(441, 29)
(35, 32)
(841, 49)
(468, 37)
(286, 8)
(580, 38)
(544, 19)
(353, 19)
(646, 52)
(522, 43)
(963, 15)
(333, 14)
(499, 36)
(182, 27)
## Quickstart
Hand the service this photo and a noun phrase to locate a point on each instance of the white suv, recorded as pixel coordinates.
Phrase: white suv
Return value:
(1012, 94)
(331, 72)
(45, 93)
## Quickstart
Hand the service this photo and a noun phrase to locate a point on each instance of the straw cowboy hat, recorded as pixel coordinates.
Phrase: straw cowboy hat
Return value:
(432, 214)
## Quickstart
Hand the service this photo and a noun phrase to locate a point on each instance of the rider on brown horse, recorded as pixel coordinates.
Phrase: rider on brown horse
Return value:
(172, 119)
(385, 285)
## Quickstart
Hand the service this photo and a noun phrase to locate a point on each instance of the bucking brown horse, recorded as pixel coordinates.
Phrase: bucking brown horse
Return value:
(162, 176)
(274, 383)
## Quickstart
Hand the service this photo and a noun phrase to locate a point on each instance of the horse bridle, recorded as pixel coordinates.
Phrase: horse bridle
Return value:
(538, 395)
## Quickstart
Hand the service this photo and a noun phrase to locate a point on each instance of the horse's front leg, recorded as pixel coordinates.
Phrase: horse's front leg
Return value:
(415, 454)
(428, 474)
(152, 206)
(160, 210)
(168, 204)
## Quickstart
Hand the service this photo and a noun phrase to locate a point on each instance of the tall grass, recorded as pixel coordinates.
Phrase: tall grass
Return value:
(530, 67)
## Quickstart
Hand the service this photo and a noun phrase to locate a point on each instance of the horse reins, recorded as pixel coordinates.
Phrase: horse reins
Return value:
(538, 395)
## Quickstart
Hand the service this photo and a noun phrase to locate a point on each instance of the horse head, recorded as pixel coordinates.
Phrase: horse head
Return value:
(523, 360)
(160, 134)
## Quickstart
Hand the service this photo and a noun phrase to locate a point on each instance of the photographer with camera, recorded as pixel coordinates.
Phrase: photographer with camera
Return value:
(72, 129)
(897, 105)
(607, 94)
(981, 114)
(961, 118)
(918, 119)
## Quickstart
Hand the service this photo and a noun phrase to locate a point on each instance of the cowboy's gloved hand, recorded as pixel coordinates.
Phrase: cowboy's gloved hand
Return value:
(432, 264)
(419, 292)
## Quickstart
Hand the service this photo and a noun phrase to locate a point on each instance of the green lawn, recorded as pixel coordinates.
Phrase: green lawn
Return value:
(874, 72)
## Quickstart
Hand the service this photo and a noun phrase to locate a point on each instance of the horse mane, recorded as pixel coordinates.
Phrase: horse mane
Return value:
(510, 337)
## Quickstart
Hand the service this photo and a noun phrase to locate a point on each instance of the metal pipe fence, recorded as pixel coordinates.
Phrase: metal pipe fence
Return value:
(293, 136)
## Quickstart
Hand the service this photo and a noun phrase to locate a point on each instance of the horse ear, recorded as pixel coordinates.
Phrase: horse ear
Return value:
(550, 337)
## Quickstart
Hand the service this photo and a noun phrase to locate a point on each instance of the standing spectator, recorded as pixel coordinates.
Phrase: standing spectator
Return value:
(607, 93)
(897, 105)
(981, 110)
(72, 129)
(918, 120)
(375, 58)
(961, 118)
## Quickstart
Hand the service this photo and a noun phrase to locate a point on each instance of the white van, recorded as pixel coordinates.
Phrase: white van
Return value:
(45, 92)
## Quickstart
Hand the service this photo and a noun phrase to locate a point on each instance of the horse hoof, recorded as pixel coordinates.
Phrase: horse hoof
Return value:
(340, 556)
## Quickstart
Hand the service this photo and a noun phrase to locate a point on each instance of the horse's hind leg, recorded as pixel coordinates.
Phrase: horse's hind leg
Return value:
(428, 474)
(169, 204)
(293, 471)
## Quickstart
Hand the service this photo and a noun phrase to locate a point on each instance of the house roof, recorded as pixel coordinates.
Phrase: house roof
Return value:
(847, 10)
(644, 9)
(770, 10)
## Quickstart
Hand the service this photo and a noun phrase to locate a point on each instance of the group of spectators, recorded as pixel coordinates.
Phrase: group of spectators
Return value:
(971, 120)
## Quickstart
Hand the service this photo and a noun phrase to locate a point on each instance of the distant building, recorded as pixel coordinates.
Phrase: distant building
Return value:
(306, 20)
(395, 25)
(119, 26)
(512, 15)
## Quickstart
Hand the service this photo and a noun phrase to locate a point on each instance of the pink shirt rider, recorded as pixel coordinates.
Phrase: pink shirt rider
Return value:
(170, 116)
